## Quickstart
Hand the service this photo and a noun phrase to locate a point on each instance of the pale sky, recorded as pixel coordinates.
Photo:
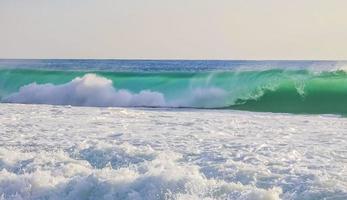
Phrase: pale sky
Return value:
(174, 29)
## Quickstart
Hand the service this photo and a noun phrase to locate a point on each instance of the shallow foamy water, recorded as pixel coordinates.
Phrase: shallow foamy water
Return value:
(57, 152)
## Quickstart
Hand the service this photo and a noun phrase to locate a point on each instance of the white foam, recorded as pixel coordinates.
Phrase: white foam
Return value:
(93, 90)
(57, 176)
(59, 152)
(89, 90)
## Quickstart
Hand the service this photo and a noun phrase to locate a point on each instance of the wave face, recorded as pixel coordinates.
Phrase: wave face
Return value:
(295, 90)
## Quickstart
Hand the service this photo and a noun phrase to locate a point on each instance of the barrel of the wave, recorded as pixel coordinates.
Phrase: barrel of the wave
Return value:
(321, 93)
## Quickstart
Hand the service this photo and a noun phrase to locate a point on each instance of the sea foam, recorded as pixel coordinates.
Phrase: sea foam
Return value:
(98, 91)
(58, 175)
(89, 90)
(63, 152)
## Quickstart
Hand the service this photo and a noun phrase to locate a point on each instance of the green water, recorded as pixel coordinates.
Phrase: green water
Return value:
(291, 91)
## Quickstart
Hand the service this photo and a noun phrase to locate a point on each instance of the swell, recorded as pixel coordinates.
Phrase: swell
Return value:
(275, 90)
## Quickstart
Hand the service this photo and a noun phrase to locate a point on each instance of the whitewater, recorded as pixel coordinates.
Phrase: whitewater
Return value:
(64, 152)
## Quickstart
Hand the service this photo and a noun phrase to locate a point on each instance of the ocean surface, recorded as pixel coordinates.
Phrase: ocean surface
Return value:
(87, 153)
(173, 130)
(313, 87)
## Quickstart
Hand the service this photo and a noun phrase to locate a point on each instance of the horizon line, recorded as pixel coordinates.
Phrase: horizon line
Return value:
(174, 59)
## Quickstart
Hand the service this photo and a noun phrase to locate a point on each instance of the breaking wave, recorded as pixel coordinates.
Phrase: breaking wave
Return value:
(276, 90)
(89, 90)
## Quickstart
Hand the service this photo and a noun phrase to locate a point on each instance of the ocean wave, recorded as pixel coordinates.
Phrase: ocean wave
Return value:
(89, 90)
(296, 91)
(93, 90)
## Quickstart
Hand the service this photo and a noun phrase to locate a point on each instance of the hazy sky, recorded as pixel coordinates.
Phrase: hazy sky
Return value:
(189, 29)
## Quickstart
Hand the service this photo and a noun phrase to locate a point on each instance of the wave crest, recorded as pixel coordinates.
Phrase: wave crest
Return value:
(89, 90)
(269, 91)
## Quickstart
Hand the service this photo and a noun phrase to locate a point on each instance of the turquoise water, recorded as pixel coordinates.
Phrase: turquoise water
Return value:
(317, 87)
